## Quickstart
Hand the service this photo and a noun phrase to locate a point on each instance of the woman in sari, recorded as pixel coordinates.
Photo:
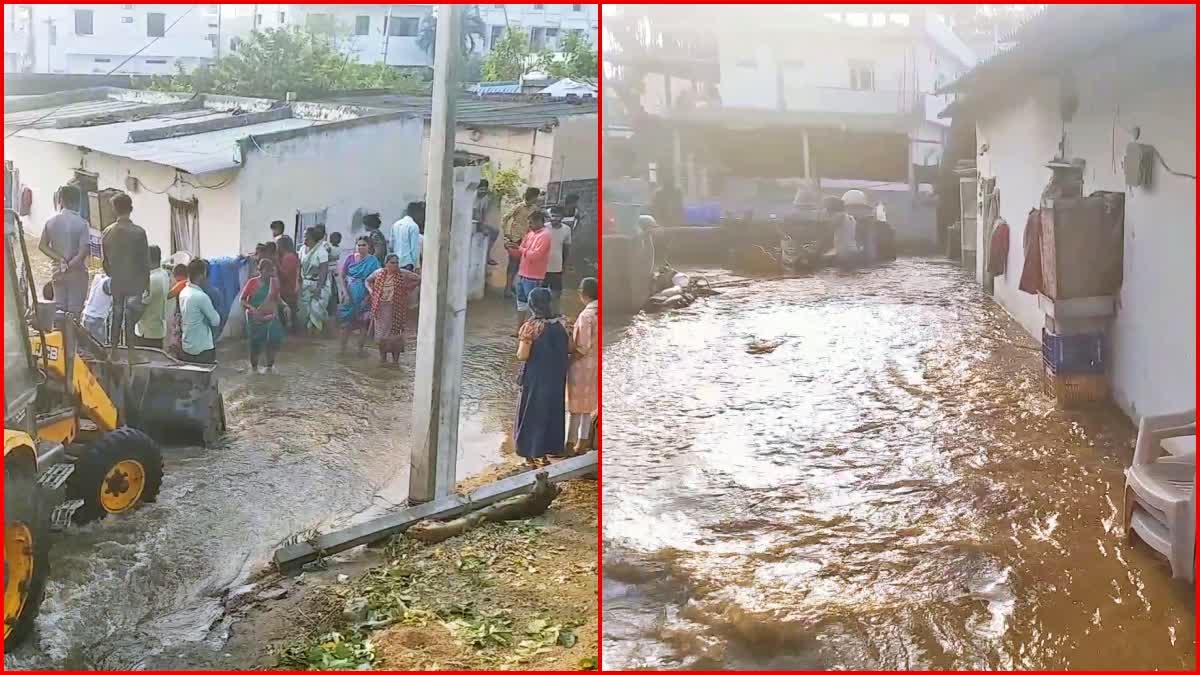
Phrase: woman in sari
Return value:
(390, 291)
(289, 280)
(260, 299)
(314, 280)
(545, 350)
(354, 314)
(584, 372)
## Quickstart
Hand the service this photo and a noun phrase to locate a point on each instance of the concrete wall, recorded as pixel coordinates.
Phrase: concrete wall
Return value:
(374, 167)
(576, 149)
(46, 166)
(1147, 84)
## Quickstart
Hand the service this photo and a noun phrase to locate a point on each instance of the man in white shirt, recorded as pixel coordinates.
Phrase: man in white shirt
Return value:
(98, 308)
(845, 239)
(406, 239)
(560, 245)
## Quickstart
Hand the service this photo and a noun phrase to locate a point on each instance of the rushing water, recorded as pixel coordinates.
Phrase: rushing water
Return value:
(306, 447)
(886, 489)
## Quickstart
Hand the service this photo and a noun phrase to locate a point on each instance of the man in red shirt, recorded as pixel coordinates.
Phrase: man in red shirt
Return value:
(535, 258)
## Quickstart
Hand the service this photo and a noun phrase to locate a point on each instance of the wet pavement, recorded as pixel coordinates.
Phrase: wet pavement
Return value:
(324, 438)
(886, 489)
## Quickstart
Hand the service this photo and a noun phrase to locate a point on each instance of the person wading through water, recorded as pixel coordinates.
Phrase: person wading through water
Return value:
(260, 300)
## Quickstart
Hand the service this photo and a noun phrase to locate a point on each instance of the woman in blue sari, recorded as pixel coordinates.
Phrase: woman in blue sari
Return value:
(545, 348)
(354, 314)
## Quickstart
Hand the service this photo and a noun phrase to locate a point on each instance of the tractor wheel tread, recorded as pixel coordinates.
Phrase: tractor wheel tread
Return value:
(24, 502)
(95, 461)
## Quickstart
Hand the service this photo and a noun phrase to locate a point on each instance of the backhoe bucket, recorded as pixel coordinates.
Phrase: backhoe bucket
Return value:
(174, 402)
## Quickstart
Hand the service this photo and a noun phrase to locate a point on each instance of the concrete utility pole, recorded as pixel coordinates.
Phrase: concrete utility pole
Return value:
(442, 322)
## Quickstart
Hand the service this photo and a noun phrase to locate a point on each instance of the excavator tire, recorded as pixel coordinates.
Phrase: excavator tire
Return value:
(117, 473)
(26, 553)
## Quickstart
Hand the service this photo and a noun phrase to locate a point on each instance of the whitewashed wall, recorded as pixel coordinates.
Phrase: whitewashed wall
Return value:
(377, 167)
(1150, 85)
(47, 166)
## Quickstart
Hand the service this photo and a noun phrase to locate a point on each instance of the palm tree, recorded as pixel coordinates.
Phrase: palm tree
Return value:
(473, 27)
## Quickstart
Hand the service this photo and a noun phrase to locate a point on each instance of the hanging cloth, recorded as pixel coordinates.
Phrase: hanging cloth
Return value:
(998, 256)
(1031, 274)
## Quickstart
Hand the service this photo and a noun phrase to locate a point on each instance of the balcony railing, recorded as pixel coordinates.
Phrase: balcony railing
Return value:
(800, 98)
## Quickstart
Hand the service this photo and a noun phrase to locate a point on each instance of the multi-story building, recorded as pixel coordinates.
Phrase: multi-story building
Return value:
(87, 39)
(391, 33)
(775, 92)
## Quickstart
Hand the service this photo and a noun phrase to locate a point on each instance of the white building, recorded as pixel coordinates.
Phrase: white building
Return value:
(798, 92)
(86, 39)
(208, 174)
(1122, 72)
(389, 33)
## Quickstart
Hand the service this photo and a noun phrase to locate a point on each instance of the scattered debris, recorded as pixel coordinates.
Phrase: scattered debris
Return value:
(762, 346)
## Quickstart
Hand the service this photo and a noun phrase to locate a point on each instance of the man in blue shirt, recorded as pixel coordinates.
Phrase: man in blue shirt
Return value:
(197, 316)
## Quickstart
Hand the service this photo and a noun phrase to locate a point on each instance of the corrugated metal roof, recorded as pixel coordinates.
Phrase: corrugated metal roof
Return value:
(197, 152)
(1060, 32)
(475, 111)
(498, 88)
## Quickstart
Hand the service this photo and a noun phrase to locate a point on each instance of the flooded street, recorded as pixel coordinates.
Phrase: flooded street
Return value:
(306, 448)
(886, 489)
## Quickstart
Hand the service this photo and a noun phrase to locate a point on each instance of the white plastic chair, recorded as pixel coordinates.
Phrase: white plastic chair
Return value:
(1160, 491)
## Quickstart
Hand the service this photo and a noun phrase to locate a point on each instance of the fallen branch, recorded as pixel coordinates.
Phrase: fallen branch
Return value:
(534, 503)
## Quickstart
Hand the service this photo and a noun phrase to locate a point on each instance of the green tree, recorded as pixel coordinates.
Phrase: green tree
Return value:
(509, 58)
(473, 31)
(273, 62)
(575, 59)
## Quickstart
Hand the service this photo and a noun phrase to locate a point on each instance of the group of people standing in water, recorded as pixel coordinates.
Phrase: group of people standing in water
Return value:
(364, 291)
(367, 293)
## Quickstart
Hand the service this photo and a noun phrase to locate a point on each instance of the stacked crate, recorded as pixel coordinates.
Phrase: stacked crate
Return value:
(1074, 368)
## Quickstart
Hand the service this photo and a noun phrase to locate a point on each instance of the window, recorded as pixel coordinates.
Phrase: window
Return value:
(156, 62)
(362, 25)
(539, 7)
(234, 43)
(552, 37)
(83, 21)
(283, 17)
(102, 60)
(862, 75)
(258, 19)
(156, 24)
(320, 23)
(127, 19)
(498, 6)
(213, 39)
(576, 8)
(52, 35)
(537, 38)
(127, 6)
(403, 26)
(497, 33)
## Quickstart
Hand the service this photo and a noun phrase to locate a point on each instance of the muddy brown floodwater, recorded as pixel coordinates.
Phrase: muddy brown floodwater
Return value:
(886, 489)
(320, 441)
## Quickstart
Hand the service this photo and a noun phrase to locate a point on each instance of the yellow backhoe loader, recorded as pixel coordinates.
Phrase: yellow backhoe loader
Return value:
(81, 429)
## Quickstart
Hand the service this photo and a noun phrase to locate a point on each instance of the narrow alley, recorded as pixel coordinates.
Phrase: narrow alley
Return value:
(859, 471)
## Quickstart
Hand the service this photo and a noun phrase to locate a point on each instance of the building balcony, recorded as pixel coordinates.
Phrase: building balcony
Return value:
(845, 100)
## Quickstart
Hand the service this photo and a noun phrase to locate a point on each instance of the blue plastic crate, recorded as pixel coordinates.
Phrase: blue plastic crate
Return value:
(1081, 354)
